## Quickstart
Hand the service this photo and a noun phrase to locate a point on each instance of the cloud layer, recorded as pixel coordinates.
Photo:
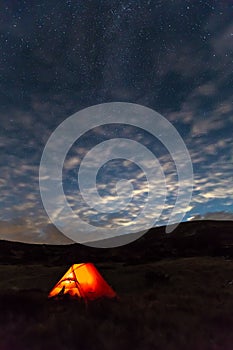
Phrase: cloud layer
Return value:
(174, 57)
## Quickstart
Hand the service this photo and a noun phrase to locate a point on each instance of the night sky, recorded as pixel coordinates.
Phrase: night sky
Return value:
(58, 57)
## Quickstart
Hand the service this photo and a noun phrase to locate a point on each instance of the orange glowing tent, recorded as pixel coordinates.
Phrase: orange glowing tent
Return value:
(83, 281)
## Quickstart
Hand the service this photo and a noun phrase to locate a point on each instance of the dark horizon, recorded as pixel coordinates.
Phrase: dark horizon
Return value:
(14, 233)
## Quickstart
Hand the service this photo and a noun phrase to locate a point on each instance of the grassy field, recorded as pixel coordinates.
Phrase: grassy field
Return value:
(170, 304)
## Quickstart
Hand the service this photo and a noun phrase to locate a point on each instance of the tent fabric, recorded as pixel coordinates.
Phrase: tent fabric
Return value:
(83, 281)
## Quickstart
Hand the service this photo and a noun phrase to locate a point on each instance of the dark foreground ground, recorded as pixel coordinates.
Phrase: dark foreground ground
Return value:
(184, 303)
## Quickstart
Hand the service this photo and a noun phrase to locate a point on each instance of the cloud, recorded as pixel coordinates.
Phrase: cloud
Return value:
(223, 42)
(28, 231)
(182, 72)
(207, 89)
(213, 216)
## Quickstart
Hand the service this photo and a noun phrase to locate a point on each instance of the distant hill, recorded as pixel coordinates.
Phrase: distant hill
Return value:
(23, 230)
(195, 238)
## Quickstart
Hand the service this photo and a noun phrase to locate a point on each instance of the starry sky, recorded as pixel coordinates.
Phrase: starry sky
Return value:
(58, 57)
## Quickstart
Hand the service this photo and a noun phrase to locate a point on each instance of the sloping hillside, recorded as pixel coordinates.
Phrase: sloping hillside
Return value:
(198, 238)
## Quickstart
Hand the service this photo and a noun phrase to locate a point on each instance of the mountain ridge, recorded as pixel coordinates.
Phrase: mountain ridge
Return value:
(194, 238)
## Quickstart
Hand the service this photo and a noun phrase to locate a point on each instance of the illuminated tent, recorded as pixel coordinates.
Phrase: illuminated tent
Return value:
(83, 281)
